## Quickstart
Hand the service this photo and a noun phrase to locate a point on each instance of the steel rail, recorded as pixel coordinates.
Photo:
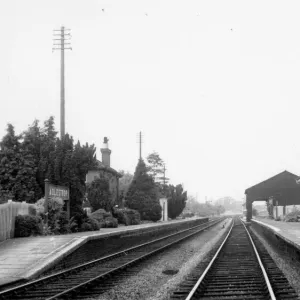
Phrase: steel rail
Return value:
(267, 281)
(76, 269)
(261, 266)
(90, 281)
(196, 286)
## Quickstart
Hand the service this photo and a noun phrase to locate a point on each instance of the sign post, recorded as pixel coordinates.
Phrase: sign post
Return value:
(62, 192)
(46, 200)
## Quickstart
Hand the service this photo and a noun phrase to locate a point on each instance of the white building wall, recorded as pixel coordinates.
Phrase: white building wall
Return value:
(289, 209)
(164, 209)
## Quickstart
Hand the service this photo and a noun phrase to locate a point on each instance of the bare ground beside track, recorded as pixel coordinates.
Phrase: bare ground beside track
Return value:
(150, 283)
(290, 268)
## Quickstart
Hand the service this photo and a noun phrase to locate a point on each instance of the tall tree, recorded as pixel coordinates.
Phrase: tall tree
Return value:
(142, 194)
(124, 183)
(176, 200)
(156, 168)
(17, 169)
(155, 165)
(69, 165)
(47, 139)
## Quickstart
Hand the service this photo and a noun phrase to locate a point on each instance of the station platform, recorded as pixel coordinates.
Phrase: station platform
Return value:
(22, 259)
(288, 231)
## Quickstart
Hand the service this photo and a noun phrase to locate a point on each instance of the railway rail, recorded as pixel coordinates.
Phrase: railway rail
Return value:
(238, 270)
(78, 280)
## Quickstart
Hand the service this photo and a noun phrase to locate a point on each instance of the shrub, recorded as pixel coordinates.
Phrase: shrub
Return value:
(86, 227)
(94, 223)
(187, 215)
(32, 211)
(110, 222)
(90, 224)
(26, 225)
(134, 216)
(292, 216)
(99, 195)
(100, 215)
(121, 215)
(147, 205)
(63, 223)
(72, 225)
(127, 216)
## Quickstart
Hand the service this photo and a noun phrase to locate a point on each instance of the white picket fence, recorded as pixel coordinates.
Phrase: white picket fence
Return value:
(8, 213)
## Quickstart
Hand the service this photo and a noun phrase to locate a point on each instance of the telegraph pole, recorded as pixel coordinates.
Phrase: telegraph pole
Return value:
(61, 44)
(140, 145)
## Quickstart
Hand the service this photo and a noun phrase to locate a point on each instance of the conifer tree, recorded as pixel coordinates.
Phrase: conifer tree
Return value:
(176, 200)
(142, 194)
(17, 169)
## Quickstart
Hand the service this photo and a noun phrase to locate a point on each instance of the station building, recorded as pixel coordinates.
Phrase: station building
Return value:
(104, 170)
(281, 193)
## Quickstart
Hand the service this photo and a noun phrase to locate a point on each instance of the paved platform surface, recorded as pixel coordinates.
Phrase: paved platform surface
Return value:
(289, 230)
(23, 258)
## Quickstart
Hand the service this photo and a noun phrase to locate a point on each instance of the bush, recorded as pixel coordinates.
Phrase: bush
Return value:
(187, 215)
(94, 223)
(90, 224)
(63, 223)
(27, 225)
(86, 227)
(292, 216)
(32, 211)
(99, 195)
(110, 222)
(127, 216)
(134, 216)
(147, 205)
(55, 205)
(100, 215)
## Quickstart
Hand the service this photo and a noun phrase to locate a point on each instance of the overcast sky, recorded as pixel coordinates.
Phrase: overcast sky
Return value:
(213, 85)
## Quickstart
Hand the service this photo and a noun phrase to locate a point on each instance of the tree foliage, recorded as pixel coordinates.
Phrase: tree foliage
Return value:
(99, 195)
(124, 183)
(142, 194)
(176, 200)
(155, 164)
(17, 169)
(203, 209)
(156, 168)
(26, 160)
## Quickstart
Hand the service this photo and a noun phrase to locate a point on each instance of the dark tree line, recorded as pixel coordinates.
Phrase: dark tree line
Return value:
(26, 160)
(149, 183)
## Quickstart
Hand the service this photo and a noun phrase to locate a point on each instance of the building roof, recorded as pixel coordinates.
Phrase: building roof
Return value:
(101, 166)
(283, 187)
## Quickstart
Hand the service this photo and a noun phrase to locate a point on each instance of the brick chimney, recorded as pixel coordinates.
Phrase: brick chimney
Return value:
(105, 153)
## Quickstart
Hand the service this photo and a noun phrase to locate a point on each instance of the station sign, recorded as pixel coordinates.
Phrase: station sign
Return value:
(59, 191)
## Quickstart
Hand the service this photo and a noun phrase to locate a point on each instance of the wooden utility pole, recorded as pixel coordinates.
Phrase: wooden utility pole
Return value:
(140, 144)
(164, 174)
(60, 44)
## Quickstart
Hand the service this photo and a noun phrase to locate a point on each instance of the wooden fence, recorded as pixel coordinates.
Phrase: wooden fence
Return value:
(8, 213)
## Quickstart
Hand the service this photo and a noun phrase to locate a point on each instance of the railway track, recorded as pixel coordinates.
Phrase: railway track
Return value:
(240, 269)
(77, 281)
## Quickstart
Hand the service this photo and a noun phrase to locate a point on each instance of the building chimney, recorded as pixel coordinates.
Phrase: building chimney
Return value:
(105, 153)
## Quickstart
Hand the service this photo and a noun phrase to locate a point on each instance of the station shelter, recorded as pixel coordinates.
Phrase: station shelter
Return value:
(280, 192)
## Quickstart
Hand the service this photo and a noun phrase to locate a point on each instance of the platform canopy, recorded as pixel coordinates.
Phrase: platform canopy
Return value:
(283, 187)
